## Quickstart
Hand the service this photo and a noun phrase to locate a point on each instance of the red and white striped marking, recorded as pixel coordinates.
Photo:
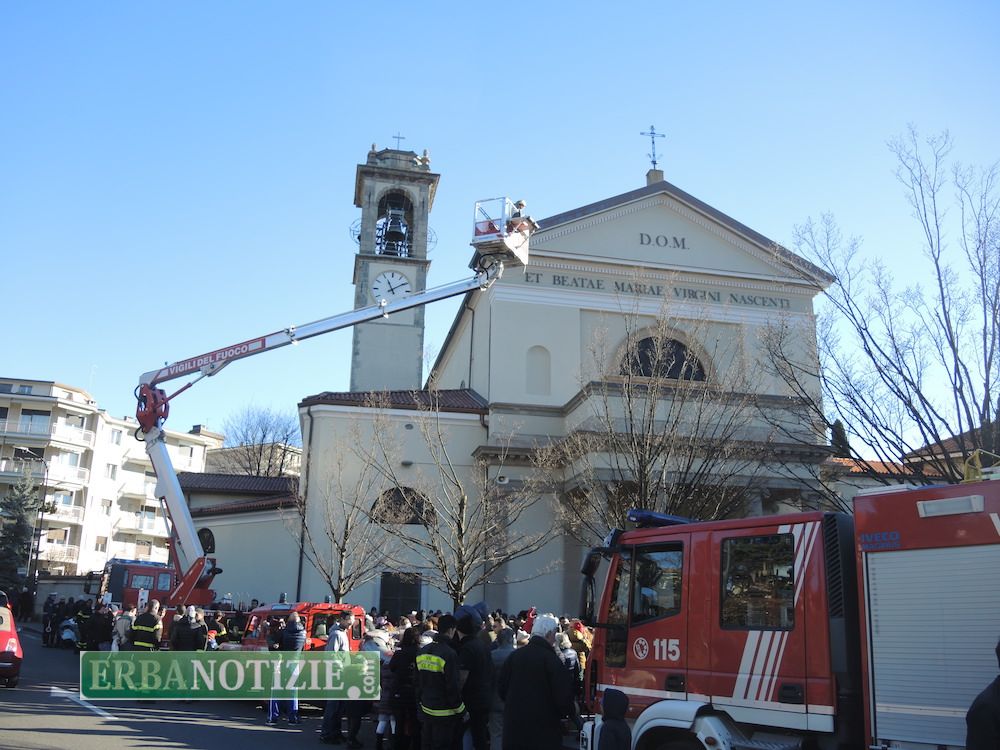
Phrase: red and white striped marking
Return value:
(765, 649)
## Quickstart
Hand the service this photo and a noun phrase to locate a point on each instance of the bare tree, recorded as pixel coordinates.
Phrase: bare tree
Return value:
(662, 428)
(461, 527)
(260, 442)
(912, 370)
(339, 539)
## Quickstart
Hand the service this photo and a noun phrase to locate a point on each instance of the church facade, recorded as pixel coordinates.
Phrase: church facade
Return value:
(647, 292)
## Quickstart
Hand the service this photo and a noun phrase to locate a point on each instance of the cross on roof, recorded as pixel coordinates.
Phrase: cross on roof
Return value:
(653, 135)
(399, 138)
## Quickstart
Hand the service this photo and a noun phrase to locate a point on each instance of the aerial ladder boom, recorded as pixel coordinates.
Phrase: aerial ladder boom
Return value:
(501, 238)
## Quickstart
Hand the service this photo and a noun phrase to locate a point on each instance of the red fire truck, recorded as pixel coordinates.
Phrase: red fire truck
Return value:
(819, 630)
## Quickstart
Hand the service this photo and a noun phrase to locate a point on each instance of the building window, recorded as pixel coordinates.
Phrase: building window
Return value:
(63, 498)
(655, 357)
(34, 421)
(403, 505)
(6, 388)
(116, 437)
(57, 536)
(3, 412)
(144, 547)
(617, 633)
(110, 471)
(24, 390)
(106, 507)
(757, 582)
(101, 545)
(538, 367)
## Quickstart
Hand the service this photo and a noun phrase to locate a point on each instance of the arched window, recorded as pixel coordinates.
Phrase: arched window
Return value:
(538, 367)
(662, 358)
(403, 505)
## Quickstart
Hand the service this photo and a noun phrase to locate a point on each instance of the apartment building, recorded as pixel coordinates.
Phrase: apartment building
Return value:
(97, 481)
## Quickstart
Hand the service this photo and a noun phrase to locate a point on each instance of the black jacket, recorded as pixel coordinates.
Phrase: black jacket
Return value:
(438, 690)
(474, 658)
(403, 666)
(186, 635)
(146, 632)
(537, 693)
(983, 720)
(293, 637)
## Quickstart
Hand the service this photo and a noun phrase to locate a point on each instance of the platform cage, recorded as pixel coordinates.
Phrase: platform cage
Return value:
(495, 219)
(501, 227)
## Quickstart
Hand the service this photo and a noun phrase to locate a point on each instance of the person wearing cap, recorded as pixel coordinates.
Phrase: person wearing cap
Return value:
(438, 689)
(536, 690)
(477, 674)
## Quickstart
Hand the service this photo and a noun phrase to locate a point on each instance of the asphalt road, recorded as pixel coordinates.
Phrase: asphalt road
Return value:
(43, 712)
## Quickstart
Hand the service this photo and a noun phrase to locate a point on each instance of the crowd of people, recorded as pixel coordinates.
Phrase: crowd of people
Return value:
(473, 678)
(468, 680)
(93, 625)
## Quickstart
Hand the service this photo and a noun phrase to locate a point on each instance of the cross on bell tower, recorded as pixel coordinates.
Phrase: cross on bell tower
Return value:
(395, 191)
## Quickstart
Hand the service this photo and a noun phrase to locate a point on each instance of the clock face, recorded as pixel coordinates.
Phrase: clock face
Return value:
(390, 285)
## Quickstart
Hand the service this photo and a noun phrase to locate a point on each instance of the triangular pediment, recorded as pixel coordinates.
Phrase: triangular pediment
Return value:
(660, 226)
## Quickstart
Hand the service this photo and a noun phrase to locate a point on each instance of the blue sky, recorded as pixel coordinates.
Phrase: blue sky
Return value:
(175, 177)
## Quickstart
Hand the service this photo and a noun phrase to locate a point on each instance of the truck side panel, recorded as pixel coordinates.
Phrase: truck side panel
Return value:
(930, 608)
(933, 616)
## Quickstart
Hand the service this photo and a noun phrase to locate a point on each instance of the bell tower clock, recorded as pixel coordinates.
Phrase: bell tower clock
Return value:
(395, 191)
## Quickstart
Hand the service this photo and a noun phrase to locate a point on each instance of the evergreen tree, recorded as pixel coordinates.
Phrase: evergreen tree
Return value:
(838, 440)
(17, 511)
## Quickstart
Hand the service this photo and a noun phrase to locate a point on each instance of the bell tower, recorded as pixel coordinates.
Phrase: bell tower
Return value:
(395, 191)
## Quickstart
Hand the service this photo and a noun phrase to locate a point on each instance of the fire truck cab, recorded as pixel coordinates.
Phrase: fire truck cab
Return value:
(126, 579)
(809, 630)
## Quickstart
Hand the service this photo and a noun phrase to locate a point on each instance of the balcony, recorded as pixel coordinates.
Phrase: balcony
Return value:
(67, 513)
(71, 474)
(14, 468)
(25, 428)
(139, 459)
(133, 523)
(59, 552)
(75, 435)
(140, 487)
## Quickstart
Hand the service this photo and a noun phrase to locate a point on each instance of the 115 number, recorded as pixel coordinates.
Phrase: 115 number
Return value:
(665, 649)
